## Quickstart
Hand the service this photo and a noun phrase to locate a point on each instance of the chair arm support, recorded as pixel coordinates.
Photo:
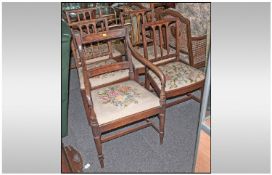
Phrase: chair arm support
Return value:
(151, 66)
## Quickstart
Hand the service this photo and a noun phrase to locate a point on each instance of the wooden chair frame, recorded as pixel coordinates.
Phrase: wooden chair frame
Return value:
(97, 129)
(196, 46)
(84, 29)
(86, 14)
(81, 15)
(142, 16)
(165, 43)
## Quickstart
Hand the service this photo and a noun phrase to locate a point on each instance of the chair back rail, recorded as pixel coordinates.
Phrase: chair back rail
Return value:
(160, 31)
(108, 68)
(91, 26)
(86, 28)
(106, 36)
(78, 15)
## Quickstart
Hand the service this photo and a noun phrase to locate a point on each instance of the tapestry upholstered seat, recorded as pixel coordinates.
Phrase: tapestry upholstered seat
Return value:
(121, 100)
(178, 75)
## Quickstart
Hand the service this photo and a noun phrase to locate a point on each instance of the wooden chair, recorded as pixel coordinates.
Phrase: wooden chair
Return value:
(84, 14)
(96, 54)
(120, 103)
(75, 16)
(134, 20)
(194, 48)
(181, 78)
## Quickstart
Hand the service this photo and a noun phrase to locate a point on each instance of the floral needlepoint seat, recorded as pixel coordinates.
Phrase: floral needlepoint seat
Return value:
(178, 75)
(121, 100)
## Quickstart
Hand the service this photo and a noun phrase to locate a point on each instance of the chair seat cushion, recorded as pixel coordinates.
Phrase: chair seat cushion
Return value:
(151, 55)
(104, 78)
(120, 100)
(178, 75)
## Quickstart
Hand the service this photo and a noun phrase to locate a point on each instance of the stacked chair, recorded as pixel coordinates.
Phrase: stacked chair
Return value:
(152, 43)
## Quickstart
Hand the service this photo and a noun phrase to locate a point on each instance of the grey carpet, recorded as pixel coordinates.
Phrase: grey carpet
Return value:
(139, 152)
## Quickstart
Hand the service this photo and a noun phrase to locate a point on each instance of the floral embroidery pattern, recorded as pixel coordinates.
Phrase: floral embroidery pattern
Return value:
(178, 75)
(120, 95)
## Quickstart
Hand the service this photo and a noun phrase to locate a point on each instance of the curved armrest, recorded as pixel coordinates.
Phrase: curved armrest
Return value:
(151, 66)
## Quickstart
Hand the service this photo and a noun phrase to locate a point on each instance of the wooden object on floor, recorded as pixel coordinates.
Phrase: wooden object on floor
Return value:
(120, 103)
(203, 162)
(71, 161)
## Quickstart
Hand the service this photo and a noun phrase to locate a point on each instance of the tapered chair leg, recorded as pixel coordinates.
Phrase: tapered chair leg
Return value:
(97, 140)
(98, 145)
(162, 122)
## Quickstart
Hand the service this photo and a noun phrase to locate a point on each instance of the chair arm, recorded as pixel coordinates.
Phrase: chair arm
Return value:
(199, 44)
(151, 66)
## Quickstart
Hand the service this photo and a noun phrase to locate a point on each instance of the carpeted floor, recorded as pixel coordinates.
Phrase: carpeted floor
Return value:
(139, 152)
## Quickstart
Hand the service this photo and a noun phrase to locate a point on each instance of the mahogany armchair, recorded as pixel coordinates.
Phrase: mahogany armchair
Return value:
(120, 103)
(193, 48)
(181, 78)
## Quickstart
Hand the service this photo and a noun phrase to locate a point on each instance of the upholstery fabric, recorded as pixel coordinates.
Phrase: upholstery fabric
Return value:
(120, 100)
(115, 53)
(178, 75)
(104, 78)
(150, 51)
(198, 14)
(173, 44)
